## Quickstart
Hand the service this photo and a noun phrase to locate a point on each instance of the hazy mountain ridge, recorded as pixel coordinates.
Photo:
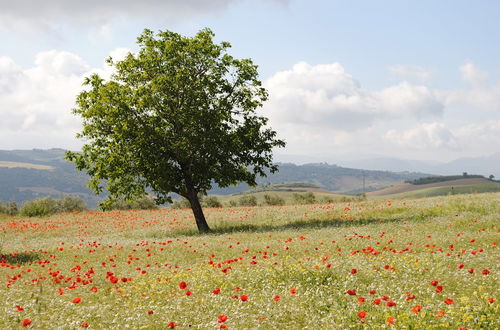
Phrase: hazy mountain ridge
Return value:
(20, 184)
(486, 165)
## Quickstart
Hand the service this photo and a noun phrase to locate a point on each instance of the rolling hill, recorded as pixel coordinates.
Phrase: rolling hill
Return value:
(27, 174)
(460, 186)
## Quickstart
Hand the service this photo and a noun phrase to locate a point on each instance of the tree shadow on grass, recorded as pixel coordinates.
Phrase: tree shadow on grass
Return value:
(296, 225)
(19, 258)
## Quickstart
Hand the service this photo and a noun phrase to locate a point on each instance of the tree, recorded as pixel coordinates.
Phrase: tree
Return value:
(491, 177)
(178, 116)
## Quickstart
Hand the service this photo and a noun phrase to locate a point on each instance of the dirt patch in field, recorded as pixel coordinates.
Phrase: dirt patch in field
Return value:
(406, 187)
(41, 190)
(25, 165)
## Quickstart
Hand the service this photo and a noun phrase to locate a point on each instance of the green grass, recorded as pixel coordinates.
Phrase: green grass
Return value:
(448, 190)
(261, 253)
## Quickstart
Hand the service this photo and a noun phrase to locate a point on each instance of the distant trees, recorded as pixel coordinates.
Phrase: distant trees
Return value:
(434, 179)
(491, 177)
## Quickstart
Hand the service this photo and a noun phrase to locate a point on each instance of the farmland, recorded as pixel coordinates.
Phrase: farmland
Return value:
(417, 263)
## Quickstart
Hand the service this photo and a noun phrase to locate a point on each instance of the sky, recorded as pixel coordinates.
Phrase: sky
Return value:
(347, 79)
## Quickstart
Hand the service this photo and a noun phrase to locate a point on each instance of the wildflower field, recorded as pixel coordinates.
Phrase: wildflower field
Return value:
(419, 263)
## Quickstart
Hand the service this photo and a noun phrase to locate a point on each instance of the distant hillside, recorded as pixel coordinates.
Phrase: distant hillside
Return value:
(444, 178)
(486, 165)
(26, 174)
(460, 186)
(329, 177)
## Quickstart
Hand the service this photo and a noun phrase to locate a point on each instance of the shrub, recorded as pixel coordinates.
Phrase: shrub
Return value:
(142, 203)
(247, 200)
(306, 198)
(39, 207)
(181, 203)
(361, 197)
(211, 201)
(232, 203)
(9, 208)
(47, 205)
(327, 199)
(70, 204)
(273, 200)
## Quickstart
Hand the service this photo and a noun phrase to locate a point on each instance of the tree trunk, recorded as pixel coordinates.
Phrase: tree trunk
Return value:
(201, 222)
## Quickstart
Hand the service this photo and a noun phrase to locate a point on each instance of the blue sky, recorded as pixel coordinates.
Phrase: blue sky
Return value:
(347, 79)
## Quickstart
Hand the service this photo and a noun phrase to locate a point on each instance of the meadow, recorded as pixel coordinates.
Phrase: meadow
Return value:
(408, 263)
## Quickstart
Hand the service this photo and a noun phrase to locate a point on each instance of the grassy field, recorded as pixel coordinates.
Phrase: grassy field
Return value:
(449, 190)
(424, 263)
(461, 186)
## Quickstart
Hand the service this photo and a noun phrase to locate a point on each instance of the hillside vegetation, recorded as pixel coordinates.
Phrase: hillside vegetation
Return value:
(444, 178)
(28, 177)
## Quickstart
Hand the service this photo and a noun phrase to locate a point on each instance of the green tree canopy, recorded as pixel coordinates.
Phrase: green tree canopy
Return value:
(177, 116)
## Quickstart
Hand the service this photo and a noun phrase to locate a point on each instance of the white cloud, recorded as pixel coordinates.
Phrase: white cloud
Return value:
(118, 54)
(477, 98)
(410, 72)
(46, 14)
(405, 99)
(36, 102)
(428, 135)
(485, 136)
(326, 95)
(472, 74)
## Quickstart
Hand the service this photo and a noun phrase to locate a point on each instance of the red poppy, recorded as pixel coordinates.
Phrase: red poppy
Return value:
(77, 300)
(361, 300)
(354, 271)
(471, 270)
(417, 309)
(373, 291)
(26, 322)
(439, 288)
(150, 312)
(84, 325)
(448, 301)
(223, 326)
(94, 289)
(362, 314)
(216, 291)
(171, 325)
(485, 271)
(183, 285)
(244, 298)
(222, 318)
(188, 293)
(434, 283)
(377, 301)
(351, 292)
(293, 291)
(19, 308)
(276, 298)
(391, 303)
(491, 300)
(391, 320)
